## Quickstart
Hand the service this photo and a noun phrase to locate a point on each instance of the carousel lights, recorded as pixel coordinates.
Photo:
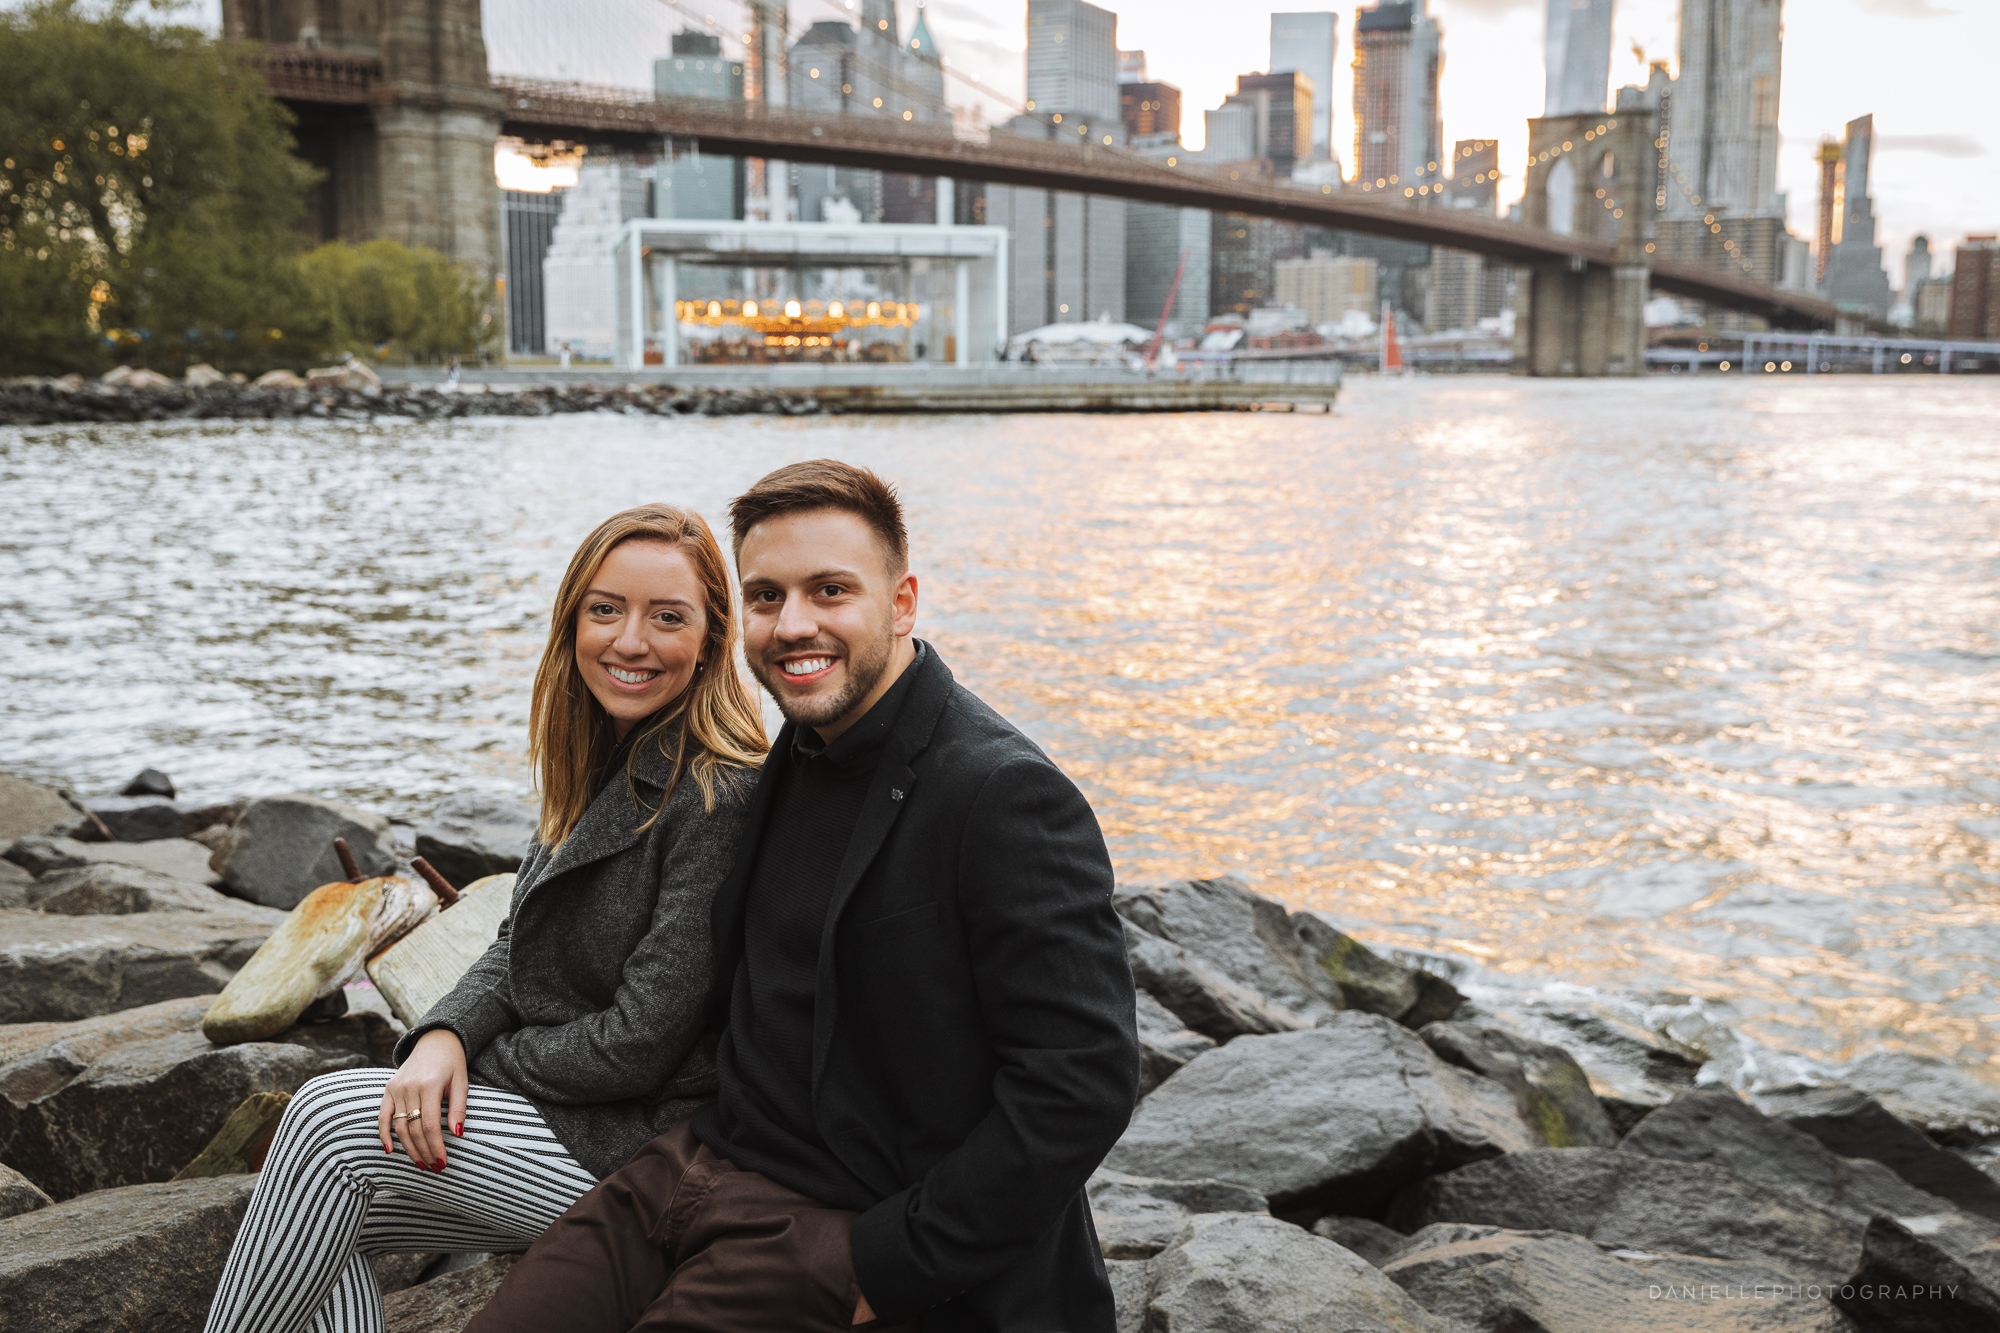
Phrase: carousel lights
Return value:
(814, 321)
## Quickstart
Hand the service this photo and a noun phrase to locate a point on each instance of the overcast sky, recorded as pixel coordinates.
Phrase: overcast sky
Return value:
(1923, 68)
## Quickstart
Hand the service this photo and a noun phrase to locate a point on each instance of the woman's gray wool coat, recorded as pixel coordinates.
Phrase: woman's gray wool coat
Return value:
(590, 1002)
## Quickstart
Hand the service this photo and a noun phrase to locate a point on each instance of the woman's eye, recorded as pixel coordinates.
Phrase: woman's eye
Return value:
(668, 618)
(603, 609)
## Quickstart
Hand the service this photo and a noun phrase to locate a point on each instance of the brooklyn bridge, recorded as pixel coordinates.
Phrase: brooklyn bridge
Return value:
(401, 113)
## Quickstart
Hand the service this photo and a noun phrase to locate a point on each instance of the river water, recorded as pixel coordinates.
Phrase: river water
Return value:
(1676, 685)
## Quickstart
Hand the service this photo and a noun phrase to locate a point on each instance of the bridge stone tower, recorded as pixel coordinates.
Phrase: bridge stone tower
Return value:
(415, 163)
(1592, 175)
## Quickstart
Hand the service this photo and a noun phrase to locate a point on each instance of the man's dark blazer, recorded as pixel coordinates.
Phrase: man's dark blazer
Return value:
(974, 1046)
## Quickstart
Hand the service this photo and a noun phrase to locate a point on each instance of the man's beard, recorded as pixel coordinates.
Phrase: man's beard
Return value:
(866, 663)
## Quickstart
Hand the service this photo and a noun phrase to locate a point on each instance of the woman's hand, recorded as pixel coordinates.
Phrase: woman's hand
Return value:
(433, 1075)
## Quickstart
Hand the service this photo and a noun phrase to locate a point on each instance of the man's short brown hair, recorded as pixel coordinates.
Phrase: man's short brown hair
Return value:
(824, 483)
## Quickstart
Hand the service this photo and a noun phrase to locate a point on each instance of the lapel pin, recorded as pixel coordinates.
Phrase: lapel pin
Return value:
(895, 793)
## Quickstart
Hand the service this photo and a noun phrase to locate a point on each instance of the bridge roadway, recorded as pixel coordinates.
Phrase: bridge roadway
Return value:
(539, 111)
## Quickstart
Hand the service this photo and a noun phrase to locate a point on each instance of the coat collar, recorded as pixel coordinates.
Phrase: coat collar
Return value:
(611, 822)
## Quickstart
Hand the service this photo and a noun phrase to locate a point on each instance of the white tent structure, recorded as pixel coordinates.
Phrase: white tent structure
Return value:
(1086, 340)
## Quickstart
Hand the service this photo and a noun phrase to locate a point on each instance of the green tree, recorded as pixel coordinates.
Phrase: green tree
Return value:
(148, 194)
(407, 303)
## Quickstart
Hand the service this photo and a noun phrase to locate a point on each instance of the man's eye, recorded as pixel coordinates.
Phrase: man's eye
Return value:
(831, 590)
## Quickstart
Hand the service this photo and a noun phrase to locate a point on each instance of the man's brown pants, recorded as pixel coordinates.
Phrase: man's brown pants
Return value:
(680, 1241)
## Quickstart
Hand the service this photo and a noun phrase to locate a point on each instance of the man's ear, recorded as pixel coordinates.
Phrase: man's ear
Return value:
(904, 603)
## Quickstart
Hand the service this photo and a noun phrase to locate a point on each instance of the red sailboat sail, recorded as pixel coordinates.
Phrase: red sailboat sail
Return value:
(1392, 355)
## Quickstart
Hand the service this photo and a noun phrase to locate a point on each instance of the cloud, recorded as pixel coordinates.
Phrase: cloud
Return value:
(1944, 145)
(1905, 9)
(1489, 9)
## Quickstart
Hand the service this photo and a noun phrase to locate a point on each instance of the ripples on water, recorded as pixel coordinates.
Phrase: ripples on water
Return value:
(1667, 685)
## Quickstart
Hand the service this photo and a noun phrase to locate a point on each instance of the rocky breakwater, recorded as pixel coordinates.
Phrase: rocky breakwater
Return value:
(1334, 1139)
(127, 1135)
(354, 392)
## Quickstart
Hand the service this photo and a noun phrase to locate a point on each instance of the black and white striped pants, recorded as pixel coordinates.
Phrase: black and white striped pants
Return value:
(329, 1196)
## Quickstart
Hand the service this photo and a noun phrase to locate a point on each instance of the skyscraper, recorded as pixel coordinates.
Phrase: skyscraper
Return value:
(1284, 106)
(1578, 55)
(1072, 59)
(691, 183)
(1975, 288)
(1855, 279)
(1150, 108)
(1306, 43)
(1397, 60)
(1723, 130)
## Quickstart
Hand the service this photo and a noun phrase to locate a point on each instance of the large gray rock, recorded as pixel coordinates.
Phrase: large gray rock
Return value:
(1721, 1129)
(1625, 1200)
(143, 1259)
(149, 782)
(282, 847)
(14, 883)
(1905, 1284)
(1165, 1044)
(56, 968)
(1236, 1273)
(1332, 1120)
(181, 858)
(474, 835)
(446, 1304)
(109, 889)
(1137, 1217)
(134, 1097)
(1131, 1288)
(1946, 1101)
(1552, 1282)
(1853, 1124)
(18, 1194)
(1371, 983)
(1550, 1088)
(1246, 937)
(1198, 995)
(28, 809)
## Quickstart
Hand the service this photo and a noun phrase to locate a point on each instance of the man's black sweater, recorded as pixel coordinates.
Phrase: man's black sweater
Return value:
(762, 1118)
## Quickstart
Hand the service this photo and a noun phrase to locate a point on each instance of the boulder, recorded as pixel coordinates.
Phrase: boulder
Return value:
(14, 883)
(1131, 1288)
(110, 889)
(1245, 937)
(129, 377)
(1853, 1124)
(1550, 1089)
(278, 379)
(1631, 1071)
(56, 968)
(1234, 1273)
(1360, 1235)
(244, 1140)
(143, 1259)
(322, 945)
(1905, 1284)
(350, 374)
(29, 810)
(1201, 997)
(1553, 1282)
(134, 1097)
(1334, 1119)
(1946, 1101)
(1137, 1217)
(179, 857)
(128, 819)
(1626, 1200)
(202, 376)
(446, 1304)
(150, 781)
(18, 1194)
(282, 848)
(1164, 1043)
(474, 835)
(1371, 983)
(1719, 1128)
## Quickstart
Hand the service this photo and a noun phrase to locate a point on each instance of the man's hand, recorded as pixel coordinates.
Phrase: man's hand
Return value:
(862, 1314)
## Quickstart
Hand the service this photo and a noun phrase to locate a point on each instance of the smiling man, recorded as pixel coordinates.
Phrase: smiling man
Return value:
(925, 1013)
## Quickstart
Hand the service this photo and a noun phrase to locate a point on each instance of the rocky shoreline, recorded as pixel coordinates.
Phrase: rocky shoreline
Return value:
(41, 402)
(1328, 1138)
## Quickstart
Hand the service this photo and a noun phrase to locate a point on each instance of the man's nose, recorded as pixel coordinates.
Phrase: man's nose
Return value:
(795, 620)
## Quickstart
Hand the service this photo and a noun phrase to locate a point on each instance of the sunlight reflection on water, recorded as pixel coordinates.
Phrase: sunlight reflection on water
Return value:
(1683, 685)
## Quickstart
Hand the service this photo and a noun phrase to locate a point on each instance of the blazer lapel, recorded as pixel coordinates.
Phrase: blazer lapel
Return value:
(611, 822)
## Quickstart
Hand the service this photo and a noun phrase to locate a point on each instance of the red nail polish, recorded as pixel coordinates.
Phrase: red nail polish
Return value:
(459, 1129)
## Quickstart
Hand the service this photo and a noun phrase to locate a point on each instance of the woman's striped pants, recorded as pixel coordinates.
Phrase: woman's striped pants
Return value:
(329, 1196)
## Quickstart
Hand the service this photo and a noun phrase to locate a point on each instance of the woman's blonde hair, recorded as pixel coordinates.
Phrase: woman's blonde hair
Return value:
(570, 736)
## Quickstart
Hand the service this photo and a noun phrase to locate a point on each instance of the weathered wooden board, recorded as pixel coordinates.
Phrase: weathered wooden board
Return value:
(415, 972)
